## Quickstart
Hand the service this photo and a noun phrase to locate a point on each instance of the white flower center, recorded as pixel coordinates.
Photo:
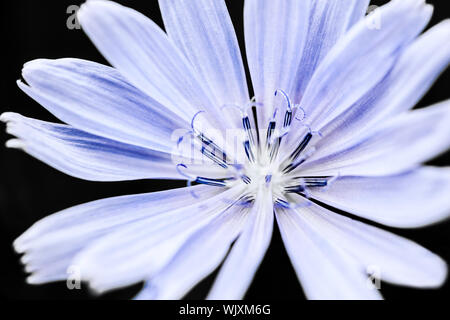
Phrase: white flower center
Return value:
(269, 159)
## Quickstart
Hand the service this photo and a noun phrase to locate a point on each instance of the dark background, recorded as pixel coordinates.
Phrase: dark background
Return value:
(30, 190)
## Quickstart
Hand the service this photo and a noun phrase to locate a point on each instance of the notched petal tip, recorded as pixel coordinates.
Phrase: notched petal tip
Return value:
(22, 85)
(26, 86)
(16, 144)
(33, 63)
(22, 243)
(96, 289)
(81, 10)
(17, 246)
(35, 279)
(12, 121)
(32, 67)
(32, 279)
(28, 267)
(9, 116)
(428, 9)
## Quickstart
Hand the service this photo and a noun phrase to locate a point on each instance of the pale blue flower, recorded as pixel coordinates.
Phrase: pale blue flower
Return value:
(333, 100)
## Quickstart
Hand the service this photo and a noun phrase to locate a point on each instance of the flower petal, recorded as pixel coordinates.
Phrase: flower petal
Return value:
(51, 243)
(360, 60)
(248, 251)
(86, 156)
(140, 250)
(407, 200)
(203, 31)
(414, 73)
(324, 269)
(201, 254)
(143, 53)
(275, 34)
(399, 145)
(97, 99)
(395, 259)
(328, 22)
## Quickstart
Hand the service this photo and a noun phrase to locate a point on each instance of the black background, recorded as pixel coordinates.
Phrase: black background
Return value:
(30, 190)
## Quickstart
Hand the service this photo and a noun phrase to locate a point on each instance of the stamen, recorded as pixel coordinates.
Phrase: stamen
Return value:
(289, 112)
(303, 144)
(246, 179)
(330, 181)
(274, 148)
(292, 166)
(314, 181)
(246, 123)
(249, 145)
(255, 119)
(249, 152)
(270, 130)
(309, 182)
(208, 143)
(300, 190)
(221, 182)
(286, 97)
(295, 189)
(213, 182)
(193, 120)
(248, 130)
(181, 138)
(287, 119)
(289, 186)
(239, 172)
(288, 115)
(285, 130)
(221, 161)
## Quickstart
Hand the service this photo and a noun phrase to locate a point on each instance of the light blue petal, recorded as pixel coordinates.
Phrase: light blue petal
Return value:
(360, 60)
(248, 251)
(201, 254)
(87, 156)
(97, 99)
(324, 269)
(143, 53)
(203, 31)
(328, 22)
(408, 200)
(395, 146)
(396, 259)
(275, 34)
(418, 67)
(139, 251)
(51, 244)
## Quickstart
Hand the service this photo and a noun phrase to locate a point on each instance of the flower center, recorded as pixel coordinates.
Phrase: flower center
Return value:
(266, 156)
